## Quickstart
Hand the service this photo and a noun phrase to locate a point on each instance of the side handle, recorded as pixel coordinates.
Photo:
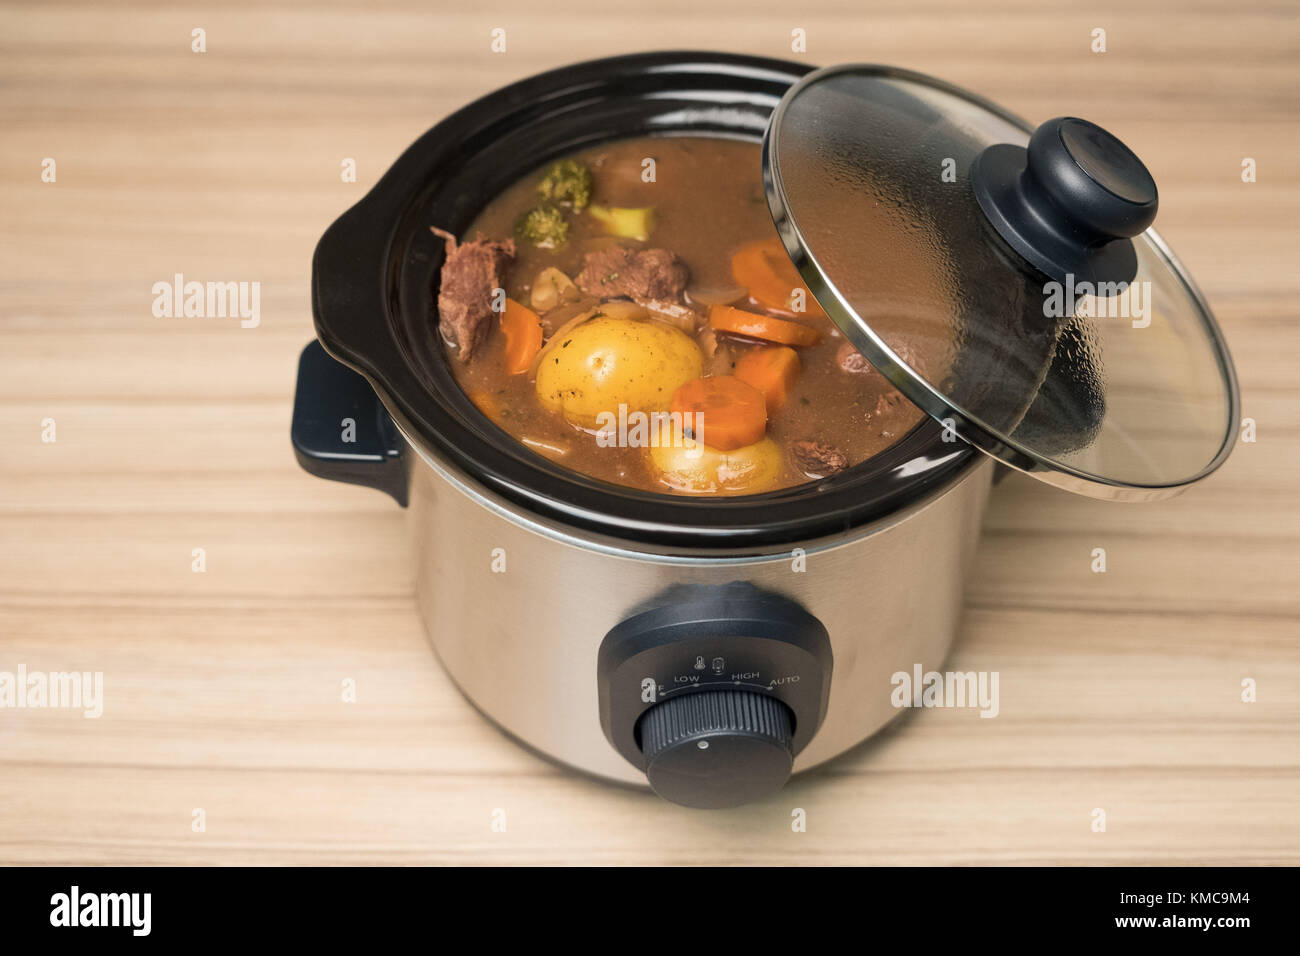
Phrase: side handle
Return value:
(341, 430)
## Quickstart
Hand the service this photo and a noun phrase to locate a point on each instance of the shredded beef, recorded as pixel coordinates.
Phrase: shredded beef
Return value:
(637, 274)
(471, 274)
(817, 459)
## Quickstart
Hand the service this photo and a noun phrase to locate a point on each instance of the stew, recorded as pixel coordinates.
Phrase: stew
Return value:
(629, 312)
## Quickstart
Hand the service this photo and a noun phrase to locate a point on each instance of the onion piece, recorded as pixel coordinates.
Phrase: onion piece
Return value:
(551, 288)
(672, 313)
(715, 295)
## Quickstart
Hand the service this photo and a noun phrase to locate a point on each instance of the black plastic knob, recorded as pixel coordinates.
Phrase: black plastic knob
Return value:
(1070, 203)
(717, 748)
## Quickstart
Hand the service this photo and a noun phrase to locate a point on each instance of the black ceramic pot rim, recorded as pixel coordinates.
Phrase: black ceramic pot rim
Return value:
(372, 299)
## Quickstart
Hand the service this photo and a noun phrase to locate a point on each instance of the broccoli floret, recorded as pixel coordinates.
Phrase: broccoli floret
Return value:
(544, 226)
(567, 182)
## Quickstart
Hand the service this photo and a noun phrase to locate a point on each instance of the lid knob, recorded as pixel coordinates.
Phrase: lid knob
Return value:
(1070, 202)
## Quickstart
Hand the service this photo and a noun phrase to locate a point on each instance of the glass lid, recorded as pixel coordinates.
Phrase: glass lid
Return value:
(1008, 285)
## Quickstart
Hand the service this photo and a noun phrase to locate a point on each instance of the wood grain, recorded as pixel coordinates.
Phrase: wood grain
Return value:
(1119, 691)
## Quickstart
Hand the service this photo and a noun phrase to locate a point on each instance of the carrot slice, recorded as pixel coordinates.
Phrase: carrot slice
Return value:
(727, 318)
(764, 268)
(731, 413)
(772, 370)
(523, 331)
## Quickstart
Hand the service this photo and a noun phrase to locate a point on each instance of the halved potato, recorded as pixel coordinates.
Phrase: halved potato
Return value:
(613, 359)
(691, 468)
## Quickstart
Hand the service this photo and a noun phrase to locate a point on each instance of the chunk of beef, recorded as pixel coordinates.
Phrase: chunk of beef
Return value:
(635, 273)
(817, 459)
(471, 274)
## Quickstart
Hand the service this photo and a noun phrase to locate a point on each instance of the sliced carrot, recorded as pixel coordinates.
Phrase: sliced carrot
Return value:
(771, 278)
(731, 413)
(727, 318)
(772, 369)
(523, 331)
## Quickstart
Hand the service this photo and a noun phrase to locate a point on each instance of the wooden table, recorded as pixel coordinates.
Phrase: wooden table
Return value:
(1120, 690)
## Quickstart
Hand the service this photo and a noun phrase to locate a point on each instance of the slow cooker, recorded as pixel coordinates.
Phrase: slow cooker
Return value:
(710, 647)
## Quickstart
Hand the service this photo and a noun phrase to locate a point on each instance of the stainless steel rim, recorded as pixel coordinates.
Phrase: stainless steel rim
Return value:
(614, 547)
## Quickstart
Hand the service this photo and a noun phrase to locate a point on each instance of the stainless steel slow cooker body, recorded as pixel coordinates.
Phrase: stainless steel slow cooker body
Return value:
(517, 607)
(714, 645)
(568, 610)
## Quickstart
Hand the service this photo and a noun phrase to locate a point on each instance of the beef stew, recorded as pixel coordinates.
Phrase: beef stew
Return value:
(629, 312)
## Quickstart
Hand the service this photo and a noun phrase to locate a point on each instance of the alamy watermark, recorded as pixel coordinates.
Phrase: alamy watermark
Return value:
(922, 688)
(1100, 300)
(75, 690)
(636, 429)
(128, 910)
(179, 299)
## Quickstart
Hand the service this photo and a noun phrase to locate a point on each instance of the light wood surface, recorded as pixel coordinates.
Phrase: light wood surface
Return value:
(1119, 690)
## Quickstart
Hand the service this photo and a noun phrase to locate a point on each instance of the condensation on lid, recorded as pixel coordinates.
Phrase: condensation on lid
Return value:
(1121, 391)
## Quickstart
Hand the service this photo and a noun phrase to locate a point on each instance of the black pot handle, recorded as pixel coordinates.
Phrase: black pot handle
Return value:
(341, 431)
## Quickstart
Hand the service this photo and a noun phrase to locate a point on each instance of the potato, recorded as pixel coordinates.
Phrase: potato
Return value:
(691, 468)
(614, 359)
(628, 223)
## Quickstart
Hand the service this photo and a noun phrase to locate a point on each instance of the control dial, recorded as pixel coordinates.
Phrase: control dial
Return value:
(717, 748)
